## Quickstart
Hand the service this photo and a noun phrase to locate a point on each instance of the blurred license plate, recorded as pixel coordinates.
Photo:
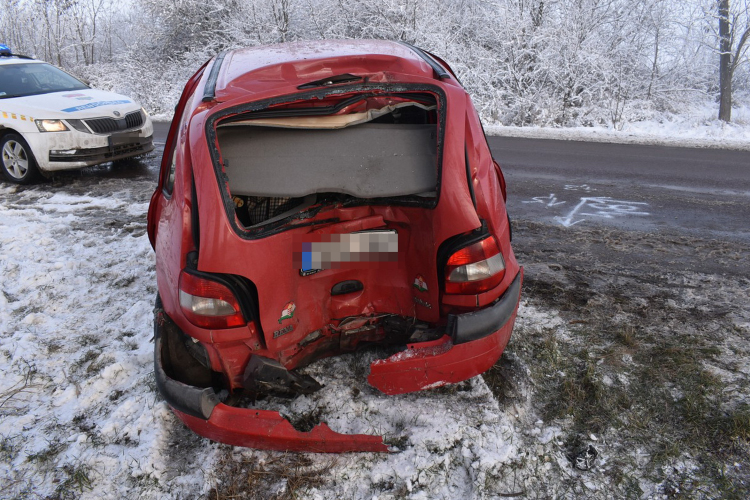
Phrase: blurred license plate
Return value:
(121, 139)
(346, 250)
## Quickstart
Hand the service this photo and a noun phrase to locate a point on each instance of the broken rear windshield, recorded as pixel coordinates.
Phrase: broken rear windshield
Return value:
(370, 150)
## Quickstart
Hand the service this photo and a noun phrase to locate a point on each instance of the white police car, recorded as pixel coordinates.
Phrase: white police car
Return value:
(51, 121)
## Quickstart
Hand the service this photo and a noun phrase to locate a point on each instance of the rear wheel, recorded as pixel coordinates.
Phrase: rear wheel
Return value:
(18, 163)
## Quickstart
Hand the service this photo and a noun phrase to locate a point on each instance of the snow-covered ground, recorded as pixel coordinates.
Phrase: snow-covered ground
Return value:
(80, 416)
(78, 409)
(696, 127)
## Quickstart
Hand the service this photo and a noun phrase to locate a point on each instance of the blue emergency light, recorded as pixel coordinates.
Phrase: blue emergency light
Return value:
(4, 50)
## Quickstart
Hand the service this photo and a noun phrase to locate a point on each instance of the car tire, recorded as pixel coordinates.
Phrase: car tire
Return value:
(17, 160)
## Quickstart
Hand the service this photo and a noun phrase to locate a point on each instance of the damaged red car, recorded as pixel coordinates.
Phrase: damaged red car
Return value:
(316, 198)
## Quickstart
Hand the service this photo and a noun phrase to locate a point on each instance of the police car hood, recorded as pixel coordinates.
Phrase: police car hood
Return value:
(86, 103)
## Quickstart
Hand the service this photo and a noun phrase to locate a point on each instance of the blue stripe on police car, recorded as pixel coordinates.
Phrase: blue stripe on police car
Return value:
(94, 105)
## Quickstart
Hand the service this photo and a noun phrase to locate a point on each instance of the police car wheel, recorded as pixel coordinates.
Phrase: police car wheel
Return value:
(18, 162)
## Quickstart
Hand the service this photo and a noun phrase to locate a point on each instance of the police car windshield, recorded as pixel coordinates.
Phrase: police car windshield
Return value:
(19, 80)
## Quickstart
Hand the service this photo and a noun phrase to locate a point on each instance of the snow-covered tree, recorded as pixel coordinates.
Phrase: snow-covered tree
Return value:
(734, 31)
(543, 62)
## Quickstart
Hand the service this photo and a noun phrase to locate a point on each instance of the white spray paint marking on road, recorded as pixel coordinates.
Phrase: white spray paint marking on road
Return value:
(599, 206)
(602, 206)
(582, 187)
(548, 201)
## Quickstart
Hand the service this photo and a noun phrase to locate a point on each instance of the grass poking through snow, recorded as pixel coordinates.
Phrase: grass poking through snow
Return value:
(279, 477)
(637, 362)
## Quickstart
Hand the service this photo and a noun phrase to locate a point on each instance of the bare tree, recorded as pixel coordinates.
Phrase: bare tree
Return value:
(732, 48)
(85, 18)
(280, 10)
(542, 62)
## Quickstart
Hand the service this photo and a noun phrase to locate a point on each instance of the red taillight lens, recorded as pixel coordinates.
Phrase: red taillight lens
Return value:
(209, 304)
(475, 269)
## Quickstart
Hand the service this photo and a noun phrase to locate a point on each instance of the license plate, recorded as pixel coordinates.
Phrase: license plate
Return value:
(347, 250)
(121, 139)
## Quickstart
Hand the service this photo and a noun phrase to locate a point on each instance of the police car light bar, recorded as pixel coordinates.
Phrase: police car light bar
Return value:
(5, 52)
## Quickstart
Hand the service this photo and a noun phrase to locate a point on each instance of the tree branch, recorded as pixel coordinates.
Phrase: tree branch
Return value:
(738, 52)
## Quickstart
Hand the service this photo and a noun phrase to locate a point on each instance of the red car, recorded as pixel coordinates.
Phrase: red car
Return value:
(316, 198)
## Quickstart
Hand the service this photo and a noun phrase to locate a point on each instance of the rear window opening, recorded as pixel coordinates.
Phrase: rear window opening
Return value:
(375, 149)
(254, 210)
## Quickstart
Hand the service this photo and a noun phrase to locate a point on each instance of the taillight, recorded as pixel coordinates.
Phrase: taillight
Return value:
(209, 304)
(474, 269)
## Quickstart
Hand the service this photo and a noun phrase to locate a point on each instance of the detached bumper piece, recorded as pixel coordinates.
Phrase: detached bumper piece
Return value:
(201, 409)
(268, 376)
(472, 344)
(268, 430)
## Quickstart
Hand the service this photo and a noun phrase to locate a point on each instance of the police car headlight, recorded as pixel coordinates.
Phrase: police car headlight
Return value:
(50, 125)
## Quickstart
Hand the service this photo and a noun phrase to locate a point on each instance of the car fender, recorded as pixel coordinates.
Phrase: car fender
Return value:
(157, 199)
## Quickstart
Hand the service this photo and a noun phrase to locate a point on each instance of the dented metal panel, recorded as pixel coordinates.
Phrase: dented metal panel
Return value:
(313, 305)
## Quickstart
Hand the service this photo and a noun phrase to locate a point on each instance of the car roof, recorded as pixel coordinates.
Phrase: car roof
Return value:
(14, 59)
(261, 68)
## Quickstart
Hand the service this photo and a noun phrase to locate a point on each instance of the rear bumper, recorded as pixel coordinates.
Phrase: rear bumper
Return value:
(479, 324)
(202, 411)
(268, 430)
(475, 343)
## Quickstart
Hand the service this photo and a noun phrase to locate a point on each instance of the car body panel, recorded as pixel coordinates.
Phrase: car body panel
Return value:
(268, 430)
(272, 71)
(298, 317)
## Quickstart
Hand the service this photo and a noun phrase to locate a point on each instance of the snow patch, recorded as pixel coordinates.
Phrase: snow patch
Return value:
(697, 128)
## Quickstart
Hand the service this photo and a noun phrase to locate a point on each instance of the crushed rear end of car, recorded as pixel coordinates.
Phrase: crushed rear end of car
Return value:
(316, 199)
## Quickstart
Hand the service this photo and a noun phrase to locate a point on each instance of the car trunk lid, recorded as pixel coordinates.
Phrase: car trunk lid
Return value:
(377, 178)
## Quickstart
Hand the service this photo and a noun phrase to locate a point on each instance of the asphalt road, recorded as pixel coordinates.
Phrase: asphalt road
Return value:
(160, 132)
(702, 192)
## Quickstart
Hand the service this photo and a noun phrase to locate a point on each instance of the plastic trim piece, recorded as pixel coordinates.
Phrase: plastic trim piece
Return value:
(437, 68)
(89, 155)
(195, 401)
(209, 93)
(476, 325)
